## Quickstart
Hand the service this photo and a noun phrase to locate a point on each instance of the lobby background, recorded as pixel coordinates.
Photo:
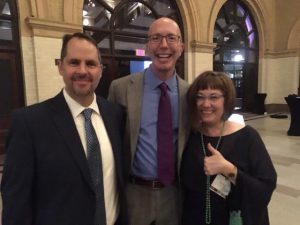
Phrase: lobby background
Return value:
(42, 24)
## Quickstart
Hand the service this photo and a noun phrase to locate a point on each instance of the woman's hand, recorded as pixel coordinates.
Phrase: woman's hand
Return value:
(217, 164)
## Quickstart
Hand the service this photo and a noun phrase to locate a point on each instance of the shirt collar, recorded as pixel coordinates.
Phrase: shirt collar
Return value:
(76, 108)
(153, 82)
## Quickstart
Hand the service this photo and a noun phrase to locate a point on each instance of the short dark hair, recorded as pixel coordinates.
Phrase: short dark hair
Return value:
(213, 80)
(68, 37)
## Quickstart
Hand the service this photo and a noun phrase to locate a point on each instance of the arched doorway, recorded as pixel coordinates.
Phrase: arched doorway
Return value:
(120, 29)
(236, 51)
(11, 78)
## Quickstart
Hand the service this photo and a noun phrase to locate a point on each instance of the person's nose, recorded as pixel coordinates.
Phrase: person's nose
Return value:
(164, 42)
(206, 101)
(82, 68)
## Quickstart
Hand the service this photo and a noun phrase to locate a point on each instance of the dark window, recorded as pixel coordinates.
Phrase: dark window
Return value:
(236, 51)
(11, 78)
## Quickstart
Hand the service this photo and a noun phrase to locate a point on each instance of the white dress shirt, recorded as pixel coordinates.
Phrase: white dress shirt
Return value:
(108, 163)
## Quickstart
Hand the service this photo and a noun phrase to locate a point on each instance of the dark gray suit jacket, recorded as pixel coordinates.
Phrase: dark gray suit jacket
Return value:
(46, 178)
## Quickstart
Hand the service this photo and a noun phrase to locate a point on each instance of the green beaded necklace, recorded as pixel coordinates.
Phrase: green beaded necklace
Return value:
(207, 191)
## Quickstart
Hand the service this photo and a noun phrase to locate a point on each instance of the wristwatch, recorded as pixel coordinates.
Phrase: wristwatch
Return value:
(232, 175)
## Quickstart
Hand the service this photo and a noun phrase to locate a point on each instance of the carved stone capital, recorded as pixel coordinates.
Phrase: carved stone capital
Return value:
(282, 54)
(48, 28)
(203, 47)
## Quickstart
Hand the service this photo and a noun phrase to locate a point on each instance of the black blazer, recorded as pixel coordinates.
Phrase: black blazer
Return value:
(46, 177)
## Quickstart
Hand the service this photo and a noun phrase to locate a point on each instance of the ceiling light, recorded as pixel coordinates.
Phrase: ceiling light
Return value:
(86, 22)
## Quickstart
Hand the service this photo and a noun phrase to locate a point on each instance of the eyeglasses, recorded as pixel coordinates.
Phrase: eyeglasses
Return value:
(211, 98)
(170, 38)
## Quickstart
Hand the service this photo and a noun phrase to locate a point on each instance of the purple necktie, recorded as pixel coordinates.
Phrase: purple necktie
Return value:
(165, 153)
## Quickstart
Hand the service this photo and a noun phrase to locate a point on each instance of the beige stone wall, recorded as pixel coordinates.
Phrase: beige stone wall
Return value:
(49, 82)
(294, 37)
(282, 79)
(43, 22)
(42, 79)
(281, 59)
(29, 69)
(286, 16)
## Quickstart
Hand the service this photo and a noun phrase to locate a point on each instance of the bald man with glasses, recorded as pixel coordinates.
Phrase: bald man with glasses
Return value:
(156, 128)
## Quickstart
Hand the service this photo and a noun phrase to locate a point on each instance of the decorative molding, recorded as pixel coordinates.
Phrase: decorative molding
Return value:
(33, 9)
(198, 46)
(47, 28)
(282, 54)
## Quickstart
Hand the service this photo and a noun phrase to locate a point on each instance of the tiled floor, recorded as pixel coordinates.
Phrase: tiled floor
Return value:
(285, 153)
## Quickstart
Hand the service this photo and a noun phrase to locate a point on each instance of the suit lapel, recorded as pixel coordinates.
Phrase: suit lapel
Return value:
(134, 100)
(109, 126)
(66, 127)
(182, 129)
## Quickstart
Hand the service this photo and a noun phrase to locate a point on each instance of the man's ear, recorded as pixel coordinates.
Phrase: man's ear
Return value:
(182, 47)
(147, 49)
(101, 71)
(59, 66)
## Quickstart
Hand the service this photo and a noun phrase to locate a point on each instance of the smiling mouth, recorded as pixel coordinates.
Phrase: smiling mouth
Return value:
(163, 56)
(81, 78)
(206, 112)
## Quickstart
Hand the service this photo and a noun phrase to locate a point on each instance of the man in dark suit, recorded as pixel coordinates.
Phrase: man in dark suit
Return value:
(47, 179)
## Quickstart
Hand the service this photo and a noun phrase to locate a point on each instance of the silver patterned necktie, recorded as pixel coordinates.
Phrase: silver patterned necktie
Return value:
(95, 166)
